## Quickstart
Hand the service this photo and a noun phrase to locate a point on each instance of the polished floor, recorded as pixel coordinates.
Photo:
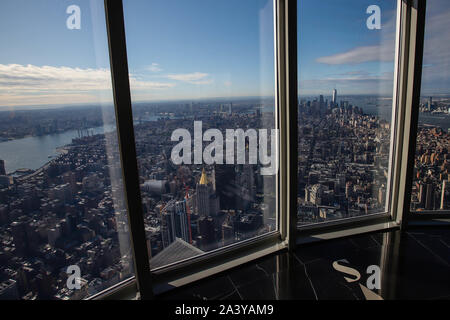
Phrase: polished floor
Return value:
(409, 265)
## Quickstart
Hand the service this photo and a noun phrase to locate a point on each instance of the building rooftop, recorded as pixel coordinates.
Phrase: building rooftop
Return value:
(176, 251)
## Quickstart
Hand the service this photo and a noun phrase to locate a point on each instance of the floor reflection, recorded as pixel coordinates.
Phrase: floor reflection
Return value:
(383, 265)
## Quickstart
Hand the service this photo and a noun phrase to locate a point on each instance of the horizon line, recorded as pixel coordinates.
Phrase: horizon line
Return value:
(111, 103)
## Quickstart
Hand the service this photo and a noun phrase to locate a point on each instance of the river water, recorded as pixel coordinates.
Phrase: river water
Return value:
(34, 152)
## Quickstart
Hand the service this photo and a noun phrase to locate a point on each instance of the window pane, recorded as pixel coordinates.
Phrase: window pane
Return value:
(61, 200)
(346, 69)
(430, 191)
(197, 66)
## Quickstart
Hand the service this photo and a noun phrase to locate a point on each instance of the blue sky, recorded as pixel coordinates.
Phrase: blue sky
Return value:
(336, 49)
(180, 49)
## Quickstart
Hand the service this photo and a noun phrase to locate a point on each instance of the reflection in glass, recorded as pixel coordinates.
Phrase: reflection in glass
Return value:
(346, 70)
(61, 200)
(431, 187)
(197, 66)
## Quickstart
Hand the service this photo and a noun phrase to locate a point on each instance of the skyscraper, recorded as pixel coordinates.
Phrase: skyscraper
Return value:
(19, 237)
(226, 185)
(181, 221)
(203, 193)
(334, 99)
(167, 226)
(246, 183)
(207, 233)
(444, 195)
(429, 197)
(2, 168)
(174, 222)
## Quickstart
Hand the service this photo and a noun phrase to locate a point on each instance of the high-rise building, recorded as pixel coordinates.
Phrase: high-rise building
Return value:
(181, 221)
(207, 233)
(429, 197)
(174, 222)
(227, 232)
(316, 194)
(334, 98)
(203, 193)
(9, 290)
(445, 195)
(19, 237)
(167, 227)
(2, 168)
(246, 183)
(421, 196)
(225, 181)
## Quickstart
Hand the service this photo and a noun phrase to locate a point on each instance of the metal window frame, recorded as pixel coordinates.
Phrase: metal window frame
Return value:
(407, 78)
(181, 273)
(146, 281)
(411, 78)
(381, 220)
(415, 217)
(127, 148)
(408, 70)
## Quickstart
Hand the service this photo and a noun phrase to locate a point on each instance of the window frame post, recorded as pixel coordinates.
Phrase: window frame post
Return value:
(287, 66)
(292, 123)
(124, 121)
(409, 82)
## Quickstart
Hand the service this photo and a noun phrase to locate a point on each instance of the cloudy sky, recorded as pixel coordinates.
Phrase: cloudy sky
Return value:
(188, 49)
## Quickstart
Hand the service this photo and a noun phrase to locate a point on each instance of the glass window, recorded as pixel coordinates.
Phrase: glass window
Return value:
(63, 224)
(346, 53)
(202, 82)
(430, 190)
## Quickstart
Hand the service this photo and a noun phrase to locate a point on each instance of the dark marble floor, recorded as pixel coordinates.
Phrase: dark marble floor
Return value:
(412, 265)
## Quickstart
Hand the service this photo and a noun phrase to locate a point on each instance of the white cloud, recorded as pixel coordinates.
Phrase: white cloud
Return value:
(359, 55)
(436, 68)
(384, 51)
(154, 67)
(202, 82)
(40, 84)
(15, 77)
(193, 78)
(355, 73)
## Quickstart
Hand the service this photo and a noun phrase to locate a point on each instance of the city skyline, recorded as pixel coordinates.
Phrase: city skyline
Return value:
(75, 201)
(202, 74)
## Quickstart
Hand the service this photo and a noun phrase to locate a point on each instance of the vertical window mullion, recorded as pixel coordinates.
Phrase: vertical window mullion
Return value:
(398, 135)
(124, 121)
(286, 202)
(414, 81)
(280, 74)
(292, 112)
